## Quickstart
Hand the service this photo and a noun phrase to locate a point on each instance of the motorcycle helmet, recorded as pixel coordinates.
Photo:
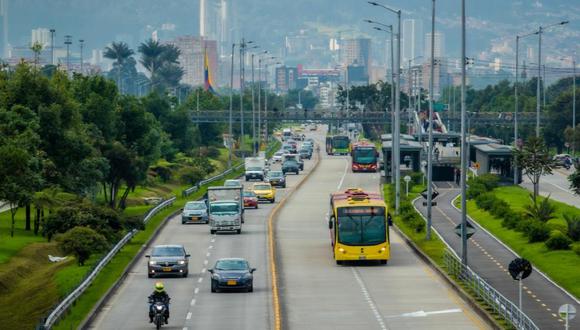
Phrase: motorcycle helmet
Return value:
(159, 287)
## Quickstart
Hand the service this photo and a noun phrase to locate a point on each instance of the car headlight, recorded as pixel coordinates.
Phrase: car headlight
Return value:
(181, 262)
(159, 307)
(153, 262)
(216, 276)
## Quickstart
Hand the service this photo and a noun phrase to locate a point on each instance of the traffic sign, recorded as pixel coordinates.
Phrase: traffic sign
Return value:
(520, 269)
(407, 178)
(470, 229)
(434, 194)
(567, 312)
(432, 203)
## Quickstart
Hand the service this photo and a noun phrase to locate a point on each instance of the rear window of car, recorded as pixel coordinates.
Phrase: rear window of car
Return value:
(231, 265)
(262, 187)
(195, 206)
(249, 194)
(167, 251)
(276, 174)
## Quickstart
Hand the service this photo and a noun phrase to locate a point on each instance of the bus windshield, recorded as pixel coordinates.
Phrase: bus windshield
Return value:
(340, 142)
(361, 226)
(365, 156)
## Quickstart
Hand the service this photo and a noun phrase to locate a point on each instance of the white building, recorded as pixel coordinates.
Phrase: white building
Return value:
(41, 36)
(439, 45)
(412, 40)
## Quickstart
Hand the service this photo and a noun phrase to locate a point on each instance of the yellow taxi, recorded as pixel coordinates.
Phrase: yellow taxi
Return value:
(264, 192)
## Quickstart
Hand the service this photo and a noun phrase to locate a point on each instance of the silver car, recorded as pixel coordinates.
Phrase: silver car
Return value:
(194, 212)
(168, 260)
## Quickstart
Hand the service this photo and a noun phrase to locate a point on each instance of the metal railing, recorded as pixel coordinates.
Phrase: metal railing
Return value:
(502, 306)
(71, 298)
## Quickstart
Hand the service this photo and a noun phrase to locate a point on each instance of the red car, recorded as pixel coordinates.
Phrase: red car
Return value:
(250, 200)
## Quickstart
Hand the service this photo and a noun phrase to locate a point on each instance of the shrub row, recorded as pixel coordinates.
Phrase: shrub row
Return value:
(411, 218)
(482, 184)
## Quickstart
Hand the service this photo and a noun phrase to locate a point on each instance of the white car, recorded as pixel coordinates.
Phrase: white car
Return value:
(277, 158)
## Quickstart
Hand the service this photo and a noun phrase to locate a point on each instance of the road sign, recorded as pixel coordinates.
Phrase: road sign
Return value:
(434, 194)
(567, 312)
(407, 178)
(470, 230)
(520, 268)
(439, 106)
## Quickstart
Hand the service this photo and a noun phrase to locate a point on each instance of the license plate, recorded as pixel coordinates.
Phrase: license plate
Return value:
(194, 218)
(362, 257)
(166, 269)
(232, 282)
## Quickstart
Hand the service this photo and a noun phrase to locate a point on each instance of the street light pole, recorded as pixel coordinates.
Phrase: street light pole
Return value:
(464, 151)
(82, 44)
(574, 108)
(52, 33)
(242, 47)
(430, 121)
(68, 42)
(230, 129)
(253, 111)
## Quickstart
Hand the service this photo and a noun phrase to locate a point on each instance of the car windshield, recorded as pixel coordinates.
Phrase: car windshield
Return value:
(290, 162)
(254, 168)
(231, 265)
(279, 154)
(361, 225)
(224, 208)
(340, 142)
(262, 187)
(249, 194)
(275, 174)
(365, 155)
(167, 251)
(195, 206)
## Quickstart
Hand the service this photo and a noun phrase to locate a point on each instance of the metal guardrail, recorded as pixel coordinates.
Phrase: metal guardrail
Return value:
(69, 300)
(195, 188)
(500, 304)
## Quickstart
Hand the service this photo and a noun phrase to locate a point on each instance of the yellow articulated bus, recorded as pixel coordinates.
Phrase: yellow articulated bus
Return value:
(358, 226)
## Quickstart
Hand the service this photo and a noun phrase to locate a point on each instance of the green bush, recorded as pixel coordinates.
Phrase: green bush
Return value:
(475, 189)
(522, 224)
(490, 181)
(541, 210)
(213, 152)
(416, 178)
(514, 220)
(134, 222)
(537, 231)
(558, 241)
(82, 242)
(500, 208)
(573, 222)
(485, 201)
(191, 174)
(576, 249)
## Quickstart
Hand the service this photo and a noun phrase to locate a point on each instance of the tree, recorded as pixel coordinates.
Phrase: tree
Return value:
(82, 242)
(534, 159)
(162, 63)
(121, 54)
(36, 49)
(573, 222)
(574, 179)
(541, 211)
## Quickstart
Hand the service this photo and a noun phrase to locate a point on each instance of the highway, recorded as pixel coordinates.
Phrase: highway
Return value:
(318, 294)
(315, 293)
(556, 185)
(193, 306)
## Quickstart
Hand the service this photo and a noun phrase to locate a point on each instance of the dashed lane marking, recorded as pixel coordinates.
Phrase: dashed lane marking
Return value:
(196, 291)
(199, 280)
(192, 302)
(188, 316)
(368, 299)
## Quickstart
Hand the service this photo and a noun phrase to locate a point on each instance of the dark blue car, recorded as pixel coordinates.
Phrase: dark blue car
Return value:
(232, 273)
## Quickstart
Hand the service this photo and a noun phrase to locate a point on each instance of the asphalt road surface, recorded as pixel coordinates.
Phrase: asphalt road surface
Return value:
(317, 294)
(556, 185)
(193, 306)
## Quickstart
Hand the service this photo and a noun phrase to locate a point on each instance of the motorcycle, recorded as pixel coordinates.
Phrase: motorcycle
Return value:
(159, 311)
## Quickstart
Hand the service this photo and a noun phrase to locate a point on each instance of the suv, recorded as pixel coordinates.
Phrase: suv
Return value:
(276, 179)
(194, 212)
(305, 153)
(290, 165)
(168, 260)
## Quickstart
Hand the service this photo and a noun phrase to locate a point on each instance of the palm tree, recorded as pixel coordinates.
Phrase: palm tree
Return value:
(542, 211)
(151, 55)
(36, 49)
(162, 63)
(120, 53)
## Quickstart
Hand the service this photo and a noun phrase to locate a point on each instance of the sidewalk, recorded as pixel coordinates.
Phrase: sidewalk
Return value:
(490, 259)
(556, 185)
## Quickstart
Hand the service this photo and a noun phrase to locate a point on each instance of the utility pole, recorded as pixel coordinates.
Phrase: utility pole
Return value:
(253, 111)
(574, 107)
(242, 60)
(464, 151)
(230, 131)
(68, 42)
(430, 121)
(52, 34)
(82, 44)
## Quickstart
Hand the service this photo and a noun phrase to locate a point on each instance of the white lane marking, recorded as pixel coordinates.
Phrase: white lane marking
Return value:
(210, 247)
(192, 302)
(188, 316)
(203, 270)
(185, 328)
(199, 280)
(205, 262)
(196, 291)
(369, 299)
(213, 240)
(207, 254)
(425, 314)
(343, 175)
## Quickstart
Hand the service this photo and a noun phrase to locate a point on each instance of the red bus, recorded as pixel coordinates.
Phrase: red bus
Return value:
(364, 157)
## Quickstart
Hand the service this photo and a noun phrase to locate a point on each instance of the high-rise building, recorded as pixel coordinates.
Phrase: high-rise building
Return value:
(357, 51)
(412, 40)
(439, 45)
(192, 55)
(4, 25)
(286, 78)
(40, 36)
(214, 18)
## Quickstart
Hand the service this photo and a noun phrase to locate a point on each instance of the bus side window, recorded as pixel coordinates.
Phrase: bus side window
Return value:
(331, 222)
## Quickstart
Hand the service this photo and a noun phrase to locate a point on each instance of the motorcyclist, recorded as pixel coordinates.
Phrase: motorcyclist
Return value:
(159, 295)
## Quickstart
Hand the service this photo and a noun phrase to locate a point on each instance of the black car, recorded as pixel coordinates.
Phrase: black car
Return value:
(168, 260)
(305, 153)
(290, 165)
(276, 179)
(232, 273)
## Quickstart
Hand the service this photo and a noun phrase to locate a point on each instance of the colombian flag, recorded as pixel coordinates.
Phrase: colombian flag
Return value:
(208, 82)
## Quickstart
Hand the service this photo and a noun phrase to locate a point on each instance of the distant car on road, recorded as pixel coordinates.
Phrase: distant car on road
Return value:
(305, 153)
(168, 260)
(562, 160)
(265, 191)
(194, 212)
(232, 273)
(276, 179)
(250, 199)
(291, 165)
(277, 158)
(233, 183)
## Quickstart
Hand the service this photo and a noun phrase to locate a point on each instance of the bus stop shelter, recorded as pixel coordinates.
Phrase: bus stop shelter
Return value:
(496, 159)
(410, 156)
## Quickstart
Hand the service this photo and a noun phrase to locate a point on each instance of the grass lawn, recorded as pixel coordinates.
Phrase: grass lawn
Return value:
(561, 266)
(10, 246)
